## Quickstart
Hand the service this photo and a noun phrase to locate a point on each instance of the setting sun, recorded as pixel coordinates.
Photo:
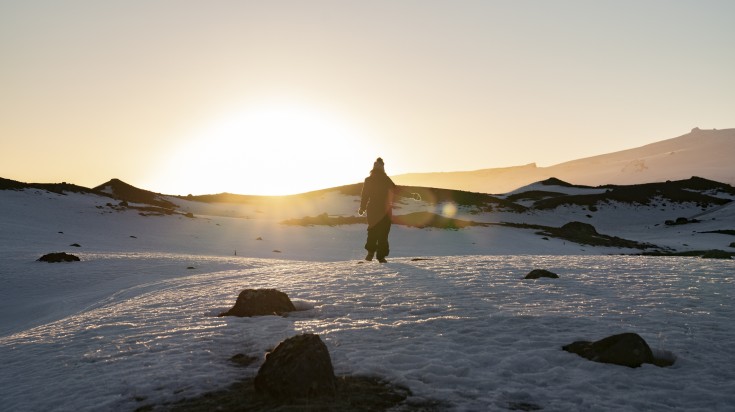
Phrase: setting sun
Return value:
(270, 149)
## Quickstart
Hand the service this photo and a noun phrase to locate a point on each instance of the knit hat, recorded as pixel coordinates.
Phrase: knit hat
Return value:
(379, 164)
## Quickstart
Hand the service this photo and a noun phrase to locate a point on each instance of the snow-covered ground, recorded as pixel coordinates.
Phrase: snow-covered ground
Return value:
(134, 323)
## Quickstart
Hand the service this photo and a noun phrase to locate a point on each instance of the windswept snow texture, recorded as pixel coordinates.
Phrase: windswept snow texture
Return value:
(466, 331)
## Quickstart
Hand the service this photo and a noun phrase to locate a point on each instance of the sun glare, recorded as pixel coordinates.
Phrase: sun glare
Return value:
(270, 150)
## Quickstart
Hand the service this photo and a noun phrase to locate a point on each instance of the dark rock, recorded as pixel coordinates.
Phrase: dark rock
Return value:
(680, 221)
(582, 233)
(627, 349)
(299, 367)
(260, 302)
(732, 244)
(58, 257)
(354, 394)
(541, 273)
(579, 228)
(716, 254)
(126, 194)
(75, 245)
(523, 406)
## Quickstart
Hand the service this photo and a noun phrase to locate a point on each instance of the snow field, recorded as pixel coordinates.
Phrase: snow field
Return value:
(465, 330)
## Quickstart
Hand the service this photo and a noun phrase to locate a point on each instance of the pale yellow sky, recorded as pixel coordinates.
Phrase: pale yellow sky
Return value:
(274, 97)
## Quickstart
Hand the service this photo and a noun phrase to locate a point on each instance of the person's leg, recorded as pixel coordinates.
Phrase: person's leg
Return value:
(372, 243)
(383, 248)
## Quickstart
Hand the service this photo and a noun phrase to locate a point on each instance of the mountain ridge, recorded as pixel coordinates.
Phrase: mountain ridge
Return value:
(704, 153)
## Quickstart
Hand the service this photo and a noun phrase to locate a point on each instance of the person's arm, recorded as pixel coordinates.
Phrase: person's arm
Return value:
(364, 198)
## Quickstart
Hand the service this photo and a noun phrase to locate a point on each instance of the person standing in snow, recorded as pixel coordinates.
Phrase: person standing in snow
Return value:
(377, 200)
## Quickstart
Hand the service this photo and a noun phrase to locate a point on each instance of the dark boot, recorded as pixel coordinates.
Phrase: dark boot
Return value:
(369, 256)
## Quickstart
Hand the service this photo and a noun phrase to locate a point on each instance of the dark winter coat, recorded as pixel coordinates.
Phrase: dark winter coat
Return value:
(377, 196)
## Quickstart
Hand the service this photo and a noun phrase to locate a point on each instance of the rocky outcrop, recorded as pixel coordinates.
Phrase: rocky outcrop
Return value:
(58, 257)
(584, 234)
(299, 367)
(129, 193)
(260, 302)
(541, 273)
(626, 349)
(680, 221)
(716, 254)
(579, 229)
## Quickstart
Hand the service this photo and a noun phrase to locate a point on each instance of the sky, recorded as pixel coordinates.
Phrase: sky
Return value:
(283, 97)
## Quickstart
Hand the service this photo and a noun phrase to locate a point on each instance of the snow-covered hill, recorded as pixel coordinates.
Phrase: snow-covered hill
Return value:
(35, 221)
(704, 153)
(133, 324)
(518, 222)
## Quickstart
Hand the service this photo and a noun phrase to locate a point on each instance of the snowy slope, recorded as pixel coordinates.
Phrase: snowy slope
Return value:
(703, 153)
(133, 323)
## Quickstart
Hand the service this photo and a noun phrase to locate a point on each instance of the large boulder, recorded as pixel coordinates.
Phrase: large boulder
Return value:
(541, 273)
(58, 257)
(627, 349)
(260, 302)
(299, 367)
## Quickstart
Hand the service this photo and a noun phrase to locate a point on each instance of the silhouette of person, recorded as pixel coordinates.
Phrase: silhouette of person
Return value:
(377, 200)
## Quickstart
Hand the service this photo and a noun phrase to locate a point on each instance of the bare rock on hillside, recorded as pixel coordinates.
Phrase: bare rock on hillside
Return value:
(579, 229)
(260, 302)
(680, 221)
(541, 273)
(716, 254)
(299, 367)
(432, 220)
(128, 193)
(582, 233)
(626, 349)
(58, 257)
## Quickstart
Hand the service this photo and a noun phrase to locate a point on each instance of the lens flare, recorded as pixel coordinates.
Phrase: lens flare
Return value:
(449, 209)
